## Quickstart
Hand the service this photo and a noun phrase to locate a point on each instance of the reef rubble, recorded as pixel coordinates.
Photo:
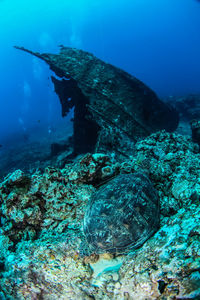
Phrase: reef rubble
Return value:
(41, 228)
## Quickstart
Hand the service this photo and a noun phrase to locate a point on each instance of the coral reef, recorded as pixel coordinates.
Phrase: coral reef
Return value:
(41, 228)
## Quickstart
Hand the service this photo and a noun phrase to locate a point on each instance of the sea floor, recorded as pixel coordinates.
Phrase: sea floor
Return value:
(32, 150)
(42, 215)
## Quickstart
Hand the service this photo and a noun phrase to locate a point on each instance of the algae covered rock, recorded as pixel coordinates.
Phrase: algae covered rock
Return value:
(172, 162)
(17, 179)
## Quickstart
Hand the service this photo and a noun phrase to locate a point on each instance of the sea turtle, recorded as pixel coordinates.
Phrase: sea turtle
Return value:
(121, 215)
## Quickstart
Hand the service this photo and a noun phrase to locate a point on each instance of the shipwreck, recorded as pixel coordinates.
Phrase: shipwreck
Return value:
(112, 109)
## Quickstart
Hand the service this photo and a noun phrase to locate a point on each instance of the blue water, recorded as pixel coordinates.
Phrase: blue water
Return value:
(156, 41)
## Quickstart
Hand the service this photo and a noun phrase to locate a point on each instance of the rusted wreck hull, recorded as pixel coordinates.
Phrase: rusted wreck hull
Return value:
(112, 108)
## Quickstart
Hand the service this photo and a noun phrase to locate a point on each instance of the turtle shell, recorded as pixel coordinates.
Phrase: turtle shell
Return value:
(122, 214)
